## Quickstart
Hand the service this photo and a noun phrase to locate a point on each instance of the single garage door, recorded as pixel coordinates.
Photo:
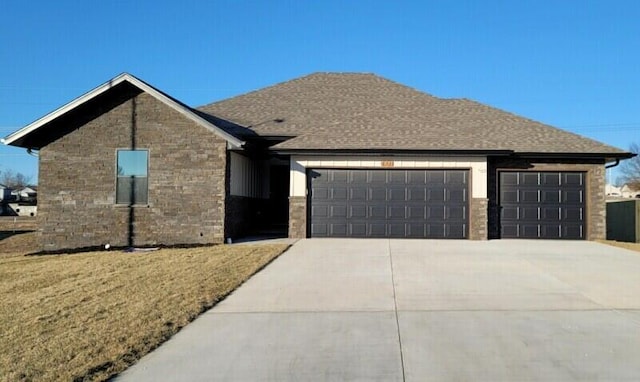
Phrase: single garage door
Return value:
(388, 203)
(542, 205)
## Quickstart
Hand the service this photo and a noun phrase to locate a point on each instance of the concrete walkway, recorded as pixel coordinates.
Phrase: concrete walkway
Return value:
(416, 310)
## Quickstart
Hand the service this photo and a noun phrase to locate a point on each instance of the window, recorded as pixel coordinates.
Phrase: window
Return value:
(132, 186)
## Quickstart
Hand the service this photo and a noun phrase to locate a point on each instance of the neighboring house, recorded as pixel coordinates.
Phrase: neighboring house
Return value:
(611, 190)
(5, 197)
(328, 155)
(627, 191)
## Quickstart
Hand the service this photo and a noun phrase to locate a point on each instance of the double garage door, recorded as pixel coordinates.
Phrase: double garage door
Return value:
(389, 203)
(434, 204)
(545, 205)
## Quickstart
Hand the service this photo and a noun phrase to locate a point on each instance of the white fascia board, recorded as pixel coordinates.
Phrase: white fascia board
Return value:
(108, 85)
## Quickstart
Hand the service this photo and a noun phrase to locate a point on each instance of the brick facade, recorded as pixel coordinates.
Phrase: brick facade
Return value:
(595, 194)
(478, 219)
(297, 217)
(76, 201)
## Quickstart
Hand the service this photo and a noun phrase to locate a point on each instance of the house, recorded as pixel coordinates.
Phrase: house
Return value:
(325, 155)
(627, 191)
(611, 190)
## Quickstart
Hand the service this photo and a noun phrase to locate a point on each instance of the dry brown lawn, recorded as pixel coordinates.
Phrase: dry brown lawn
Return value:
(17, 243)
(89, 316)
(621, 244)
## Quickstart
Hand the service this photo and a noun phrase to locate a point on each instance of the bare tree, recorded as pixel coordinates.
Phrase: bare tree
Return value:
(14, 180)
(630, 169)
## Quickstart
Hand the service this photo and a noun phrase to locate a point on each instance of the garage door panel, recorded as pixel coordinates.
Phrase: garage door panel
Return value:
(550, 214)
(529, 196)
(509, 196)
(357, 211)
(359, 177)
(339, 176)
(378, 212)
(509, 178)
(435, 177)
(416, 178)
(320, 193)
(546, 205)
(509, 212)
(436, 231)
(455, 231)
(338, 229)
(457, 177)
(358, 230)
(457, 195)
(436, 195)
(396, 194)
(358, 194)
(339, 193)
(319, 229)
(321, 211)
(576, 179)
(416, 194)
(389, 203)
(572, 196)
(551, 231)
(550, 196)
(377, 194)
(574, 214)
(396, 177)
(397, 230)
(416, 230)
(378, 229)
(510, 230)
(529, 231)
(455, 213)
(416, 212)
(435, 212)
(379, 177)
(338, 211)
(551, 179)
(396, 212)
(529, 213)
(529, 179)
(573, 231)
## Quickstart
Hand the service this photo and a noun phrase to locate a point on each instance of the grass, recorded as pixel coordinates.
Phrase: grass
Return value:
(89, 316)
(621, 244)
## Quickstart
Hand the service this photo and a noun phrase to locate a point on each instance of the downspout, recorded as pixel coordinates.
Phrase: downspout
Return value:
(613, 165)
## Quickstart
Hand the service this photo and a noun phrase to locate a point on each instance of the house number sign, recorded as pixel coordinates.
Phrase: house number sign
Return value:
(387, 163)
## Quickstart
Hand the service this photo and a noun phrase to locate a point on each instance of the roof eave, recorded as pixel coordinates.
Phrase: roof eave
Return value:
(15, 138)
(576, 155)
(392, 152)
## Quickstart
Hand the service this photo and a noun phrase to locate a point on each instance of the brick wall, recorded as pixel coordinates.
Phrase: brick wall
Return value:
(478, 219)
(297, 217)
(76, 198)
(595, 195)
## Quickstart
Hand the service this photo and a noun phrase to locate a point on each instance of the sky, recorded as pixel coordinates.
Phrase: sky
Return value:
(573, 64)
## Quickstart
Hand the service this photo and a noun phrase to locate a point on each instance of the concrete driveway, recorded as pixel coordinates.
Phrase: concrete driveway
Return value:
(416, 310)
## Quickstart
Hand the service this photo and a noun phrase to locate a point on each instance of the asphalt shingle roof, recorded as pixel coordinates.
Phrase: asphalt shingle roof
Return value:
(353, 111)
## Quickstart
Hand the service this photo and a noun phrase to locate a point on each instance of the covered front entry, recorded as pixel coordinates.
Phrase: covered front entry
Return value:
(542, 205)
(388, 203)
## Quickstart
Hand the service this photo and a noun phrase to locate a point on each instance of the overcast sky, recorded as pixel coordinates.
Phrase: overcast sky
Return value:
(573, 64)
